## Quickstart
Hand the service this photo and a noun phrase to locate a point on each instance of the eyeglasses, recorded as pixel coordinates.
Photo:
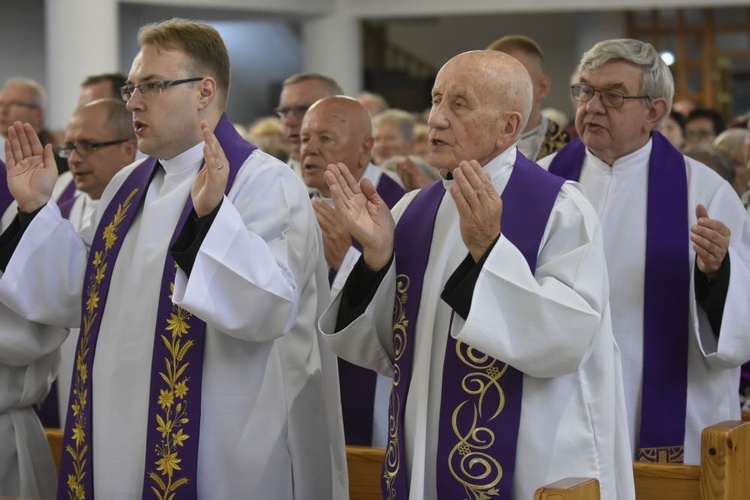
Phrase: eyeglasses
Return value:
(610, 98)
(297, 111)
(84, 148)
(20, 104)
(151, 88)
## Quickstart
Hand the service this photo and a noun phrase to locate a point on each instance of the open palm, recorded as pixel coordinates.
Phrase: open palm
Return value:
(366, 215)
(32, 171)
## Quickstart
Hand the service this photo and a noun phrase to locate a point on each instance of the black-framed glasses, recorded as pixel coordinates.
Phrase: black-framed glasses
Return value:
(20, 104)
(298, 111)
(84, 148)
(582, 92)
(153, 88)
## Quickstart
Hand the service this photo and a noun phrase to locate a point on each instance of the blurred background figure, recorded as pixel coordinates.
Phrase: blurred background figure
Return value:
(684, 107)
(541, 136)
(373, 103)
(101, 86)
(268, 134)
(673, 129)
(702, 126)
(717, 160)
(421, 144)
(732, 142)
(393, 131)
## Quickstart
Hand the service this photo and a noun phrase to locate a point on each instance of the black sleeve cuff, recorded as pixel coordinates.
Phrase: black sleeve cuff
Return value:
(459, 289)
(12, 235)
(358, 291)
(185, 248)
(712, 296)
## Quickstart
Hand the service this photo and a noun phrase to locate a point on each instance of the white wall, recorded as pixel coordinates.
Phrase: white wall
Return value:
(22, 39)
(562, 36)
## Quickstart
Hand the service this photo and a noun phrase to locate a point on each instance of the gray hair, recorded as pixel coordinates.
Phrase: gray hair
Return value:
(36, 89)
(402, 119)
(656, 80)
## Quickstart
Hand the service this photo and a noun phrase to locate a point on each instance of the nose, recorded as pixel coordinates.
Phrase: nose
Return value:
(595, 105)
(437, 118)
(135, 101)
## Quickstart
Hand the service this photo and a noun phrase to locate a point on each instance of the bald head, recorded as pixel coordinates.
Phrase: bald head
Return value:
(335, 129)
(481, 102)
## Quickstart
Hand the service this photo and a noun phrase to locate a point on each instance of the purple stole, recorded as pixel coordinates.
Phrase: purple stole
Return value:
(5, 197)
(177, 364)
(665, 298)
(67, 199)
(478, 429)
(357, 384)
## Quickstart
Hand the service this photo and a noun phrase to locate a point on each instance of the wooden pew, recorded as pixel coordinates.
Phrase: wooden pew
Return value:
(364, 465)
(722, 475)
(572, 488)
(55, 440)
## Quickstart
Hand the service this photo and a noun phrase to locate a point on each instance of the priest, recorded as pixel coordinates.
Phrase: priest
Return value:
(505, 372)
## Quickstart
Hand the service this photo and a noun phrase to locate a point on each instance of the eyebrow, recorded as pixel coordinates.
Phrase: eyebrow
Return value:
(145, 79)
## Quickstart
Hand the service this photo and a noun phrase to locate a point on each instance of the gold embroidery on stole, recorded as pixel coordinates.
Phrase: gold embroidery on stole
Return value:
(662, 455)
(477, 471)
(80, 454)
(174, 403)
(392, 462)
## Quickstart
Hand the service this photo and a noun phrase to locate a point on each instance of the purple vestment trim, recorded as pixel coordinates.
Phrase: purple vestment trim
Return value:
(666, 298)
(5, 197)
(67, 199)
(478, 430)
(76, 476)
(357, 384)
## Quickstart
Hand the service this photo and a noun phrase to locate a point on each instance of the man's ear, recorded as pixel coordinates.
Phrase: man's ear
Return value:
(511, 130)
(657, 110)
(544, 86)
(366, 151)
(208, 90)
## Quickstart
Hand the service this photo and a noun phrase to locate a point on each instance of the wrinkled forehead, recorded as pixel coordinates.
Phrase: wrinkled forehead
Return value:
(615, 74)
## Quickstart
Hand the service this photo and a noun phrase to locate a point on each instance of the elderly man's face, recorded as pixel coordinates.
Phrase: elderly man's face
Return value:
(466, 116)
(608, 132)
(294, 101)
(17, 104)
(92, 170)
(329, 135)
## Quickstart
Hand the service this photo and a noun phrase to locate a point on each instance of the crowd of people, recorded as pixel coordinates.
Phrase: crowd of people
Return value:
(497, 299)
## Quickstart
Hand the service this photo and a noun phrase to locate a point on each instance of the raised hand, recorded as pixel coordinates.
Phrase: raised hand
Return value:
(710, 239)
(412, 177)
(209, 185)
(32, 171)
(336, 237)
(366, 215)
(479, 207)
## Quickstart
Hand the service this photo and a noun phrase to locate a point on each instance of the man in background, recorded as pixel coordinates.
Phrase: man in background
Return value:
(541, 136)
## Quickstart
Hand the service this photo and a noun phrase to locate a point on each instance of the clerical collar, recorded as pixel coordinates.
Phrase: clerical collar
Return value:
(185, 160)
(639, 157)
(497, 166)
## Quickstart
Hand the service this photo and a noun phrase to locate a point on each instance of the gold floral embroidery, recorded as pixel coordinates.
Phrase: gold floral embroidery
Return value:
(80, 451)
(400, 323)
(478, 471)
(174, 404)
